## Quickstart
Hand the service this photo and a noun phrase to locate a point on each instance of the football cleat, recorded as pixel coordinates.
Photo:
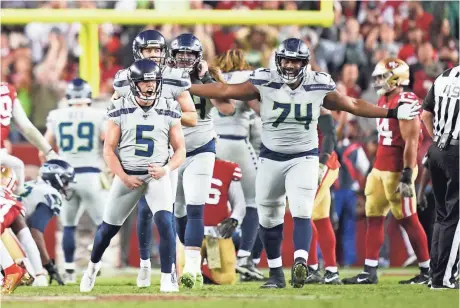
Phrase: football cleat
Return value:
(419, 279)
(362, 278)
(314, 276)
(89, 278)
(69, 277)
(11, 281)
(274, 282)
(188, 280)
(168, 283)
(245, 266)
(144, 276)
(299, 273)
(331, 278)
(40, 281)
(454, 286)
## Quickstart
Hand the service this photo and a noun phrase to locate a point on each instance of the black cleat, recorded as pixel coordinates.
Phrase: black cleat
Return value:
(299, 273)
(332, 278)
(363, 278)
(419, 279)
(245, 266)
(454, 285)
(274, 282)
(314, 276)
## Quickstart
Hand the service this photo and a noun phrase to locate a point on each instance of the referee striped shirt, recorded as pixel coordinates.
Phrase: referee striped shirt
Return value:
(443, 100)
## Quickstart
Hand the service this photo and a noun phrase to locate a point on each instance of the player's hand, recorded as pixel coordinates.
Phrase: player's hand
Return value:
(405, 183)
(408, 111)
(53, 273)
(422, 203)
(227, 227)
(322, 171)
(41, 157)
(202, 68)
(156, 171)
(131, 181)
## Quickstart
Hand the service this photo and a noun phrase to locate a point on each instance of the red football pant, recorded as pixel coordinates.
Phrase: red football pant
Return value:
(313, 253)
(327, 242)
(374, 237)
(417, 236)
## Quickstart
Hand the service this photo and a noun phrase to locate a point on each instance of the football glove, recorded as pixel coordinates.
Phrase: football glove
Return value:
(404, 187)
(322, 171)
(227, 227)
(52, 270)
(408, 111)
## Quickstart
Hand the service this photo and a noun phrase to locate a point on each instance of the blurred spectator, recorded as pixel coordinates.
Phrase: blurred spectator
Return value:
(258, 43)
(349, 77)
(446, 44)
(417, 18)
(408, 51)
(425, 71)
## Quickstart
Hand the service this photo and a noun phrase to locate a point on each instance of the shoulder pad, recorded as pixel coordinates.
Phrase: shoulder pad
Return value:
(261, 73)
(319, 81)
(121, 79)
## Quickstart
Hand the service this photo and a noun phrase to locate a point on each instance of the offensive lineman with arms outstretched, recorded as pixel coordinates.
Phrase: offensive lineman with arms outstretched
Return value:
(142, 126)
(290, 105)
(78, 132)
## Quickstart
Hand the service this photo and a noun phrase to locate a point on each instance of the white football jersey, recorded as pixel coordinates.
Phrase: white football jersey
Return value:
(238, 123)
(36, 192)
(144, 134)
(78, 133)
(175, 81)
(289, 117)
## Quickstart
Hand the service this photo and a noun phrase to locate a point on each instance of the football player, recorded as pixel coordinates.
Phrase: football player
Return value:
(233, 131)
(196, 173)
(323, 232)
(11, 109)
(78, 131)
(290, 102)
(141, 126)
(221, 222)
(390, 185)
(150, 44)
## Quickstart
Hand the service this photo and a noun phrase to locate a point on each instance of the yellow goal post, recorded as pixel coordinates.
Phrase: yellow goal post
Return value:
(91, 18)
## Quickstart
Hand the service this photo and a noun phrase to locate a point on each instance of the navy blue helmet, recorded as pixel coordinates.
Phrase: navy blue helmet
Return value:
(145, 70)
(296, 49)
(187, 43)
(78, 92)
(150, 39)
(59, 174)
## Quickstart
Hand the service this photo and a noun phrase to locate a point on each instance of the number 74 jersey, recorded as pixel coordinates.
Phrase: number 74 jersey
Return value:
(391, 145)
(290, 117)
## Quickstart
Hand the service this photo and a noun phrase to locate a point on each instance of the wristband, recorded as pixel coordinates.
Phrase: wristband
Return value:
(406, 175)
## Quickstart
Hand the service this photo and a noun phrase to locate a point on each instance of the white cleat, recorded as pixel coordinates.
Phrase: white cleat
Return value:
(168, 283)
(69, 278)
(89, 278)
(40, 281)
(143, 277)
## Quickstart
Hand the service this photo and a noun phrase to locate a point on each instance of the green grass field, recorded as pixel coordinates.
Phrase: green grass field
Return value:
(120, 291)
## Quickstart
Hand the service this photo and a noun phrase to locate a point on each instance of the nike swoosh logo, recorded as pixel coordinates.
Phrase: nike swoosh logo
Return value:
(362, 279)
(330, 279)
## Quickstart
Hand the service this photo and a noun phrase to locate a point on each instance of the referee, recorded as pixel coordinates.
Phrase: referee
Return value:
(441, 117)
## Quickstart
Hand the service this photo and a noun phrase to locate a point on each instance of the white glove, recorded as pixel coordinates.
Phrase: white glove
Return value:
(408, 111)
(321, 173)
(52, 155)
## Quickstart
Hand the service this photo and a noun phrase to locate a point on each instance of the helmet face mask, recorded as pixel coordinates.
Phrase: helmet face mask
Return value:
(186, 52)
(389, 74)
(292, 57)
(145, 80)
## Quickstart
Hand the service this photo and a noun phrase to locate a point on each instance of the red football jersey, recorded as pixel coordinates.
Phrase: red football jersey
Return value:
(8, 98)
(217, 208)
(390, 149)
(10, 208)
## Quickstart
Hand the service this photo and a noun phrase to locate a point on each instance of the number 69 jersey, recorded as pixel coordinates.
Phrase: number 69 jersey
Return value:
(144, 134)
(390, 148)
(78, 133)
(289, 117)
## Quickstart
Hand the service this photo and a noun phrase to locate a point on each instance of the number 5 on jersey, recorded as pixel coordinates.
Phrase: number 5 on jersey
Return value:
(144, 144)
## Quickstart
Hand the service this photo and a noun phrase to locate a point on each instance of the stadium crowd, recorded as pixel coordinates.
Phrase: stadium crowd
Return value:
(39, 59)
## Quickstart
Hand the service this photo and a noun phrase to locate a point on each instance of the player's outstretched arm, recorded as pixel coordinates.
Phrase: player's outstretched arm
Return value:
(176, 139)
(189, 116)
(51, 139)
(336, 101)
(30, 132)
(242, 91)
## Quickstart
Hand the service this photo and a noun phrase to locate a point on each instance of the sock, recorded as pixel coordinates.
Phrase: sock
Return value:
(371, 269)
(68, 244)
(69, 267)
(374, 237)
(5, 259)
(243, 253)
(302, 235)
(163, 221)
(181, 225)
(327, 242)
(257, 249)
(417, 238)
(144, 228)
(194, 231)
(249, 228)
(271, 239)
(31, 249)
(104, 235)
(192, 261)
(313, 253)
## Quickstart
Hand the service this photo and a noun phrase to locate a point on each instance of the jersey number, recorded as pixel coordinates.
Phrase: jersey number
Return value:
(6, 110)
(200, 104)
(297, 112)
(384, 131)
(85, 137)
(214, 193)
(144, 141)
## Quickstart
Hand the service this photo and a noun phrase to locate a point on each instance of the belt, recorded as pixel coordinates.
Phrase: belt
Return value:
(232, 137)
(452, 141)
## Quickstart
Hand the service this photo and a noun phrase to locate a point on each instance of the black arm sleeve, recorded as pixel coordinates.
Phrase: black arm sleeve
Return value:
(428, 103)
(326, 125)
